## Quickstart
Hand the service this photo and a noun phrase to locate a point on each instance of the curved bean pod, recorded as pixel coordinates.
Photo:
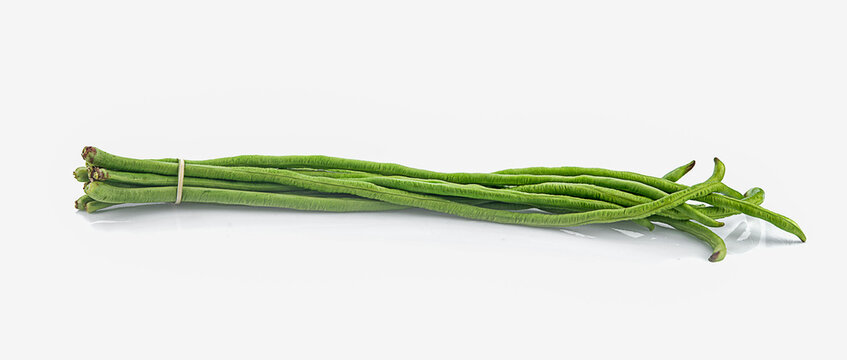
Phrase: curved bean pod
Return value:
(698, 231)
(756, 211)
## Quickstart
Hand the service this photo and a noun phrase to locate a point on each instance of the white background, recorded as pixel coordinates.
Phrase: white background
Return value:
(453, 86)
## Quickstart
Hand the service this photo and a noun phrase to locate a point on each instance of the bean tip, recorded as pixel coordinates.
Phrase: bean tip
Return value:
(717, 256)
(752, 191)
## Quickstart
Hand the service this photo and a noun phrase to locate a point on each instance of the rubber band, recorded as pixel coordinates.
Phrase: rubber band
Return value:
(179, 178)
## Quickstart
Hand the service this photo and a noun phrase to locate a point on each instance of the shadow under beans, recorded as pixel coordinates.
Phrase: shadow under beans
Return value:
(167, 217)
(622, 239)
(749, 233)
(743, 238)
(740, 233)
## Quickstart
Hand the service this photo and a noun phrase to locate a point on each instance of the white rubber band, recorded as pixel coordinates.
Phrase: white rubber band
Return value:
(179, 178)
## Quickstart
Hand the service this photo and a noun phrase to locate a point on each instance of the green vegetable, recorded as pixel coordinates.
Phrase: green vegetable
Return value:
(399, 197)
(560, 197)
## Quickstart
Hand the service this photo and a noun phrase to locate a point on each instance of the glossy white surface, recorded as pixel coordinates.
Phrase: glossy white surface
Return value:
(452, 86)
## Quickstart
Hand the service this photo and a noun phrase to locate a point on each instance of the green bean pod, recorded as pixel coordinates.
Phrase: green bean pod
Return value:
(756, 211)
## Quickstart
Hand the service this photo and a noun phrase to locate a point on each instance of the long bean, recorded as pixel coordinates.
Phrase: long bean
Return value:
(756, 211)
(100, 158)
(565, 196)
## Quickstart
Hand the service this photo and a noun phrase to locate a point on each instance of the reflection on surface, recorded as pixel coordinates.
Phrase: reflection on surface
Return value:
(166, 216)
(624, 239)
(742, 238)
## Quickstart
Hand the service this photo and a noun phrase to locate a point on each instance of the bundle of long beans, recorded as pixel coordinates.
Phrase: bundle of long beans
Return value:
(538, 196)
